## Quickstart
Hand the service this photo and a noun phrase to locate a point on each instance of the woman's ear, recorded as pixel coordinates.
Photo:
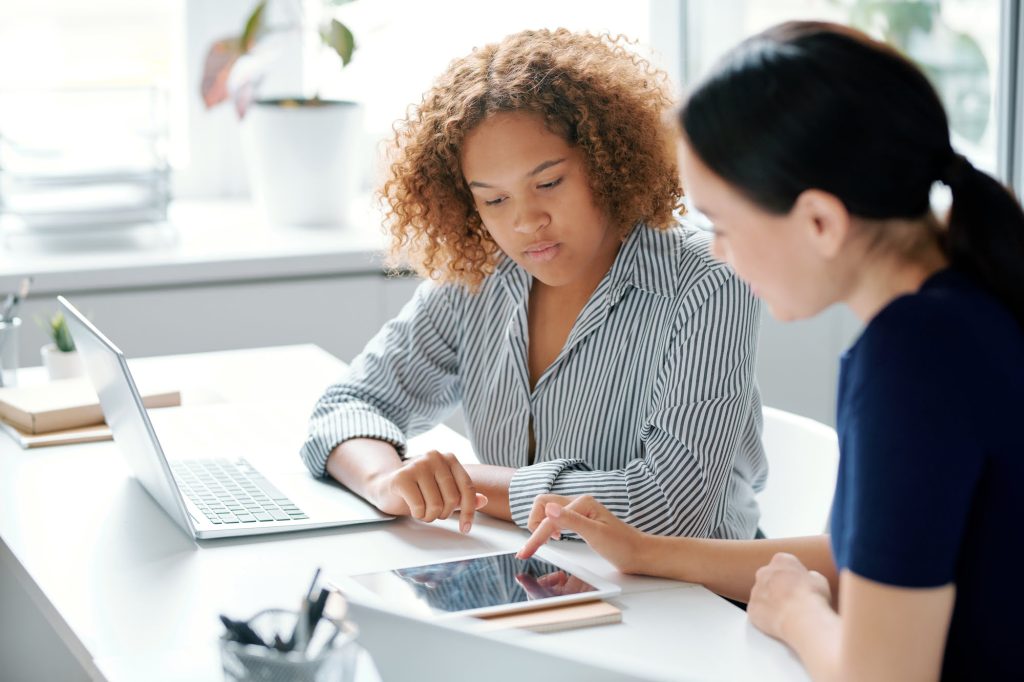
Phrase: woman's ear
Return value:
(826, 220)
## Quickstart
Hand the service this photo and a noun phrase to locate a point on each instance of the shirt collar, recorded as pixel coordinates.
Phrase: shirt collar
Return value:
(648, 260)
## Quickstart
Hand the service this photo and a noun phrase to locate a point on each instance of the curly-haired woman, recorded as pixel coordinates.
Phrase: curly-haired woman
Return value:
(594, 344)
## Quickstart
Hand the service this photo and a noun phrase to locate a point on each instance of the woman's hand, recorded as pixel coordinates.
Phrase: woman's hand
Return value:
(429, 487)
(784, 588)
(613, 539)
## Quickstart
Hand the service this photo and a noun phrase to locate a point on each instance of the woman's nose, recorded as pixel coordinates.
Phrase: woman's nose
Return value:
(531, 219)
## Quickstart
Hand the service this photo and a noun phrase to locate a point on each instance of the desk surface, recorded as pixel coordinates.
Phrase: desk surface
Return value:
(133, 597)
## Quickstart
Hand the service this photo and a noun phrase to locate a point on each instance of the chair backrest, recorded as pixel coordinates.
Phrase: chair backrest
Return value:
(803, 459)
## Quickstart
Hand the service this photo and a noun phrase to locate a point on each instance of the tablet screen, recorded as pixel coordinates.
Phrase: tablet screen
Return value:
(471, 584)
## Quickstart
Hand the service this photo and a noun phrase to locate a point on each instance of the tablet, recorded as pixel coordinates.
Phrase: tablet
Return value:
(484, 585)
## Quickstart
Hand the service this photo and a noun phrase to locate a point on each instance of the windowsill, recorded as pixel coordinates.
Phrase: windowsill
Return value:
(203, 242)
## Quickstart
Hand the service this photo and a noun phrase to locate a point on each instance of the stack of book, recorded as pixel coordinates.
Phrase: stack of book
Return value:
(63, 412)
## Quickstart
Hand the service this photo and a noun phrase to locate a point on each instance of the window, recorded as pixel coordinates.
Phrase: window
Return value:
(955, 42)
(403, 46)
(65, 43)
(85, 123)
(967, 47)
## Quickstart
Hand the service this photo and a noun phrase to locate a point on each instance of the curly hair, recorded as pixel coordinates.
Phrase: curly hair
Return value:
(601, 97)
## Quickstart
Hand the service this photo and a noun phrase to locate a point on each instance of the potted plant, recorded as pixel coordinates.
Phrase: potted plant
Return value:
(301, 151)
(60, 357)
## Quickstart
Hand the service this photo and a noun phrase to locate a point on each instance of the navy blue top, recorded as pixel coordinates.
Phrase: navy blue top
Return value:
(930, 412)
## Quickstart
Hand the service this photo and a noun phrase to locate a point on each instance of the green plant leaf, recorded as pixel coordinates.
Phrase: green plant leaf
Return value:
(57, 328)
(337, 37)
(253, 27)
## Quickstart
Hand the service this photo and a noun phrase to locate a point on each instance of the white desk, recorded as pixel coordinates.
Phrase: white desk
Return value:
(133, 598)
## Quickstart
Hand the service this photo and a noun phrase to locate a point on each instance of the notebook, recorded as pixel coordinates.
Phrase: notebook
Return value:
(208, 497)
(65, 404)
(556, 618)
(81, 434)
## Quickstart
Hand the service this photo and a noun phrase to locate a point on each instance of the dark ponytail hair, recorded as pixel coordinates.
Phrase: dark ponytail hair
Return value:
(814, 105)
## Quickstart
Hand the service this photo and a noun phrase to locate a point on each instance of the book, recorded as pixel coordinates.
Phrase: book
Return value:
(556, 618)
(82, 434)
(64, 404)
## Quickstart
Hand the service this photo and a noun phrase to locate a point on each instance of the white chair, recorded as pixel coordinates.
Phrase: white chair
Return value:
(803, 459)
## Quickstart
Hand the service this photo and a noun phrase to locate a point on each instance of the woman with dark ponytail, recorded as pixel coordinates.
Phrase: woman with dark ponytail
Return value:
(813, 151)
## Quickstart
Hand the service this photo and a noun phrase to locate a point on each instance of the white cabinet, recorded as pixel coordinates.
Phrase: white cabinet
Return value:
(339, 314)
(224, 279)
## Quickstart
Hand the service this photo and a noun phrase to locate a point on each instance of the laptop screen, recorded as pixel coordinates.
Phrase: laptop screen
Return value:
(122, 407)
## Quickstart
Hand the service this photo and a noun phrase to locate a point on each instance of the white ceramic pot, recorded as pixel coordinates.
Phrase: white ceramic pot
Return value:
(303, 159)
(61, 365)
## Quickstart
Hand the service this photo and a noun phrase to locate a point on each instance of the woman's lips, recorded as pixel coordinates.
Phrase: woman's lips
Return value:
(543, 251)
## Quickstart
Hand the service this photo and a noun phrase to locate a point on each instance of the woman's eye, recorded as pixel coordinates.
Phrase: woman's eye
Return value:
(553, 183)
(494, 202)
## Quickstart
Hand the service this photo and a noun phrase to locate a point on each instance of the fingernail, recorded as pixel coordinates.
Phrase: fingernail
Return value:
(466, 526)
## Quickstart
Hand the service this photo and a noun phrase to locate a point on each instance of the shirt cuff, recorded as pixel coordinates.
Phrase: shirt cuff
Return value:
(536, 479)
(329, 431)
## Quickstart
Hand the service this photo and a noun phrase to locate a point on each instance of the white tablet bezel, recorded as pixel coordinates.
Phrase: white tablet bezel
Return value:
(603, 588)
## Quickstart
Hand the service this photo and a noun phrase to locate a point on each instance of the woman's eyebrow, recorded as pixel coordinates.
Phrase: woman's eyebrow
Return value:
(539, 169)
(544, 166)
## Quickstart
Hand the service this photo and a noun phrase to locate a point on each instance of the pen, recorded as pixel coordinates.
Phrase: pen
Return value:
(300, 638)
(14, 299)
(241, 632)
(316, 611)
(300, 635)
(335, 607)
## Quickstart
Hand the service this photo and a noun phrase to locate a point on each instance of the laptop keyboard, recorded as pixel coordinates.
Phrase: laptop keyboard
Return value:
(233, 492)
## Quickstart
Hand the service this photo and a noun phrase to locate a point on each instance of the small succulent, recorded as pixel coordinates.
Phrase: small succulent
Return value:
(57, 328)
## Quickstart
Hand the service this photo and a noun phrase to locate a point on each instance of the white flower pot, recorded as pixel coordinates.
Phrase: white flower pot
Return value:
(303, 159)
(61, 365)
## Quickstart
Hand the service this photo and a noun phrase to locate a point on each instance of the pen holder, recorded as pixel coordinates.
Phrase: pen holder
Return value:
(330, 657)
(9, 351)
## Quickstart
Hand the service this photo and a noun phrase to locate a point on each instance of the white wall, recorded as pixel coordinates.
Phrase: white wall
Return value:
(798, 362)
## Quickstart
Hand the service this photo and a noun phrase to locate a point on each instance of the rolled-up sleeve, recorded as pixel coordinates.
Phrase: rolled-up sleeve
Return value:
(693, 428)
(403, 383)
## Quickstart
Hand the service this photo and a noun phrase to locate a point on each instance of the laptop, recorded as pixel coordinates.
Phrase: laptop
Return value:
(405, 647)
(209, 497)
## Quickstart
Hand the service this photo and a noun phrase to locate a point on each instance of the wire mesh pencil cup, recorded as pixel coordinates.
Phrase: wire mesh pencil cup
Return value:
(330, 657)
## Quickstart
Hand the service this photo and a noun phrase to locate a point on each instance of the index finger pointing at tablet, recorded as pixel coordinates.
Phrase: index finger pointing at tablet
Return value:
(545, 530)
(584, 515)
(470, 501)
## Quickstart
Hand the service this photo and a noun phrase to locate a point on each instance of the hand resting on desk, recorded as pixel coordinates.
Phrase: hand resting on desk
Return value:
(430, 487)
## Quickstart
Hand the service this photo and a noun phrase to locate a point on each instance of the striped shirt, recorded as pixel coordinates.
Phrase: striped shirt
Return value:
(651, 406)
